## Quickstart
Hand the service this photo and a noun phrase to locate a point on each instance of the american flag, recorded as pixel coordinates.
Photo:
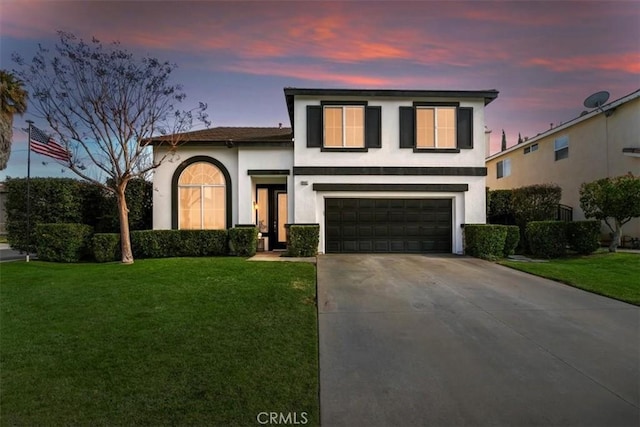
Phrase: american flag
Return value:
(41, 143)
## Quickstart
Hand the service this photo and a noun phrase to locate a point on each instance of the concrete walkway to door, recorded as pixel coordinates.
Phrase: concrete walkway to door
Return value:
(412, 340)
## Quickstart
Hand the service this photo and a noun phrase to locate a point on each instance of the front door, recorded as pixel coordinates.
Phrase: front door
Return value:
(271, 214)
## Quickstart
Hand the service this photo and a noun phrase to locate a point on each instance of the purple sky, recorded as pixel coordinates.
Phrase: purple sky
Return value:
(545, 58)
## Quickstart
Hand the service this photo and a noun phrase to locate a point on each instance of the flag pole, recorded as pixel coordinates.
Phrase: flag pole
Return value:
(30, 122)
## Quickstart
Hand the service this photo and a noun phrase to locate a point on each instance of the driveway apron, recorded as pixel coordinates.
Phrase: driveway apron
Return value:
(413, 340)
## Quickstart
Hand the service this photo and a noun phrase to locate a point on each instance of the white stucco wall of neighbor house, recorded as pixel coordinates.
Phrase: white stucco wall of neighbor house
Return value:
(164, 173)
(256, 158)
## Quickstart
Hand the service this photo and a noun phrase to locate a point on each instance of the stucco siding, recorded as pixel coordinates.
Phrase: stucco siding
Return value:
(389, 154)
(253, 159)
(595, 151)
(163, 175)
(468, 206)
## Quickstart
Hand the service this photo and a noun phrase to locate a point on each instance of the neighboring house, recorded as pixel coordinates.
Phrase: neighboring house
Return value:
(602, 143)
(378, 170)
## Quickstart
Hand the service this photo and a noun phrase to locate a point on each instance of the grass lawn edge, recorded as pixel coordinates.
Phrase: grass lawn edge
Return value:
(574, 284)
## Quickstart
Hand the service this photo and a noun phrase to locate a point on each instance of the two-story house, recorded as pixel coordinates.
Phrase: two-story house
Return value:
(379, 170)
(604, 142)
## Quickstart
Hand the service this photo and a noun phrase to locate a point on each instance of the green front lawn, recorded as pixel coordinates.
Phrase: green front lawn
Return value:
(615, 275)
(184, 341)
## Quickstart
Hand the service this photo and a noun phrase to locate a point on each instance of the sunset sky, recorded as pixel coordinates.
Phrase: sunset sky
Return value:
(544, 57)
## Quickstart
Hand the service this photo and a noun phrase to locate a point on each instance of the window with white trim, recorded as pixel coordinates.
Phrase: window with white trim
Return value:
(435, 127)
(503, 168)
(201, 197)
(531, 148)
(343, 126)
(561, 148)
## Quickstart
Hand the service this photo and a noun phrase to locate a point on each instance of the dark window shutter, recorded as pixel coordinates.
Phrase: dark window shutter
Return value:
(372, 123)
(465, 127)
(314, 126)
(407, 127)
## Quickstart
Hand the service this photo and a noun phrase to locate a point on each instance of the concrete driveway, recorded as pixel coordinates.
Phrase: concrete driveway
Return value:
(409, 340)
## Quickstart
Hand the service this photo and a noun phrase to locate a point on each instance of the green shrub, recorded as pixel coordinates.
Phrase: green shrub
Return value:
(499, 209)
(584, 236)
(156, 243)
(485, 240)
(106, 247)
(243, 241)
(512, 240)
(67, 200)
(536, 202)
(62, 242)
(303, 240)
(53, 200)
(178, 243)
(203, 242)
(547, 239)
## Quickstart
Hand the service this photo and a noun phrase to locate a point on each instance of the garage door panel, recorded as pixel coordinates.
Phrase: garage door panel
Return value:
(365, 246)
(350, 231)
(396, 216)
(396, 246)
(381, 231)
(365, 216)
(381, 246)
(388, 225)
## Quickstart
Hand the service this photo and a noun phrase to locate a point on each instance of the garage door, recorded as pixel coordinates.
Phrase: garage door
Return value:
(387, 225)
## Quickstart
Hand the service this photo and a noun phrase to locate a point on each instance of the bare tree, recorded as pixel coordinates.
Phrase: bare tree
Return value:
(104, 104)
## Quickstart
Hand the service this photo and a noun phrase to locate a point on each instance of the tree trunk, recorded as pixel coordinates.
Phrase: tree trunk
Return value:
(615, 241)
(125, 238)
(6, 134)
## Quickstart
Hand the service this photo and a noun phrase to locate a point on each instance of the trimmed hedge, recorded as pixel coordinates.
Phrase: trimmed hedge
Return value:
(584, 236)
(303, 240)
(547, 239)
(53, 200)
(106, 247)
(512, 240)
(485, 240)
(243, 241)
(162, 244)
(499, 210)
(203, 242)
(62, 242)
(66, 201)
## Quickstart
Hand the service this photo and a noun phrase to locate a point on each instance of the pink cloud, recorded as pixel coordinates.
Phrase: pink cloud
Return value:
(625, 62)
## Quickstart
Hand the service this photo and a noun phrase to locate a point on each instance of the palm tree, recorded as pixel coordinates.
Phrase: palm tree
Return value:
(13, 100)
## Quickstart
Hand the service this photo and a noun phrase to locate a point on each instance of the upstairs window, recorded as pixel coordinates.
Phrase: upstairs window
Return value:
(561, 148)
(343, 126)
(338, 126)
(436, 127)
(531, 148)
(503, 168)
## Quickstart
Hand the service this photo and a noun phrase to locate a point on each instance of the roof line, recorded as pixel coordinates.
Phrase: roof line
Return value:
(593, 113)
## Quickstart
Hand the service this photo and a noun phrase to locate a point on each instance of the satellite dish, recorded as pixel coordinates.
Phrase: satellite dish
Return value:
(596, 100)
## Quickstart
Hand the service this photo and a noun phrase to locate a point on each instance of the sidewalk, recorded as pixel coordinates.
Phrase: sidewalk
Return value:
(276, 256)
(8, 254)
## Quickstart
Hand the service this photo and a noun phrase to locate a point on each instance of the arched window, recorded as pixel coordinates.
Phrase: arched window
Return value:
(202, 197)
